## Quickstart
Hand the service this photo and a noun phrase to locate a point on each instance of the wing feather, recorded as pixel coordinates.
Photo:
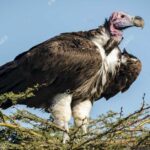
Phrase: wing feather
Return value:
(61, 63)
(127, 74)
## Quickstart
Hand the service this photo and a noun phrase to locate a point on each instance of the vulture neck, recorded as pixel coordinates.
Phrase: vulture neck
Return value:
(114, 33)
(110, 55)
(105, 37)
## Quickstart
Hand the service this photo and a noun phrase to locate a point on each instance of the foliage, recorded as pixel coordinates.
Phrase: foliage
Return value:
(112, 131)
(15, 97)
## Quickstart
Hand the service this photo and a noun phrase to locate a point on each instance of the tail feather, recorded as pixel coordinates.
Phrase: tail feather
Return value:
(8, 76)
(9, 80)
(13, 86)
(7, 68)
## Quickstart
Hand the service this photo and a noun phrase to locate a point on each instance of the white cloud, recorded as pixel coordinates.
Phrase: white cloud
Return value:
(3, 39)
(50, 2)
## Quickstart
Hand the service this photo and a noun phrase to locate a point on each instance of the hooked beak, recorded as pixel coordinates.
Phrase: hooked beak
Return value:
(138, 21)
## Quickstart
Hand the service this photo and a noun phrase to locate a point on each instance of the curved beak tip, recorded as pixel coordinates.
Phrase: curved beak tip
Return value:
(138, 21)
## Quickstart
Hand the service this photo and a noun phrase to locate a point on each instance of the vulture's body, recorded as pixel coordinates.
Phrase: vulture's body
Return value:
(73, 70)
(71, 63)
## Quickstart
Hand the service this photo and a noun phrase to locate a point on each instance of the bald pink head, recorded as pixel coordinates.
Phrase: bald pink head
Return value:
(119, 21)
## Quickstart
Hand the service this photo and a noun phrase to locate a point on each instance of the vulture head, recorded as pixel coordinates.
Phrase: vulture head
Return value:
(119, 21)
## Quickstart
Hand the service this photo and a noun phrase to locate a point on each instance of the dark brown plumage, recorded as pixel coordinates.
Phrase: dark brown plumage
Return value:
(64, 62)
(61, 63)
(127, 74)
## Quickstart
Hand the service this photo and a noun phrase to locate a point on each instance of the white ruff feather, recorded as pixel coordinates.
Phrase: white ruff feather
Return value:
(110, 62)
(113, 60)
(99, 41)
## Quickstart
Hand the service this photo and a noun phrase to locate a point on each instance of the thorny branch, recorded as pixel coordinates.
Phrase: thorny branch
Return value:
(108, 132)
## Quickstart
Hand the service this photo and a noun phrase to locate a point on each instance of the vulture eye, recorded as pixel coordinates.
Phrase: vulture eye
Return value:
(122, 16)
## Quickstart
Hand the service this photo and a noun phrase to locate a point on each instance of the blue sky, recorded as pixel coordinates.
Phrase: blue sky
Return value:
(25, 23)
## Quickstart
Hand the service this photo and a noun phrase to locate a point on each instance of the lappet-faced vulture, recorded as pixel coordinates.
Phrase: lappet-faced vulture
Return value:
(74, 70)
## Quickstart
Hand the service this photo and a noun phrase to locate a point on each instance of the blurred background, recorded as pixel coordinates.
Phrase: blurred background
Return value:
(26, 23)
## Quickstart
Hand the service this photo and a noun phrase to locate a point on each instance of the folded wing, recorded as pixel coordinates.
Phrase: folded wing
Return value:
(61, 63)
(128, 73)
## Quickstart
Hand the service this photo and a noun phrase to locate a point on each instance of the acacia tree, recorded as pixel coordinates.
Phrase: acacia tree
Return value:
(111, 131)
